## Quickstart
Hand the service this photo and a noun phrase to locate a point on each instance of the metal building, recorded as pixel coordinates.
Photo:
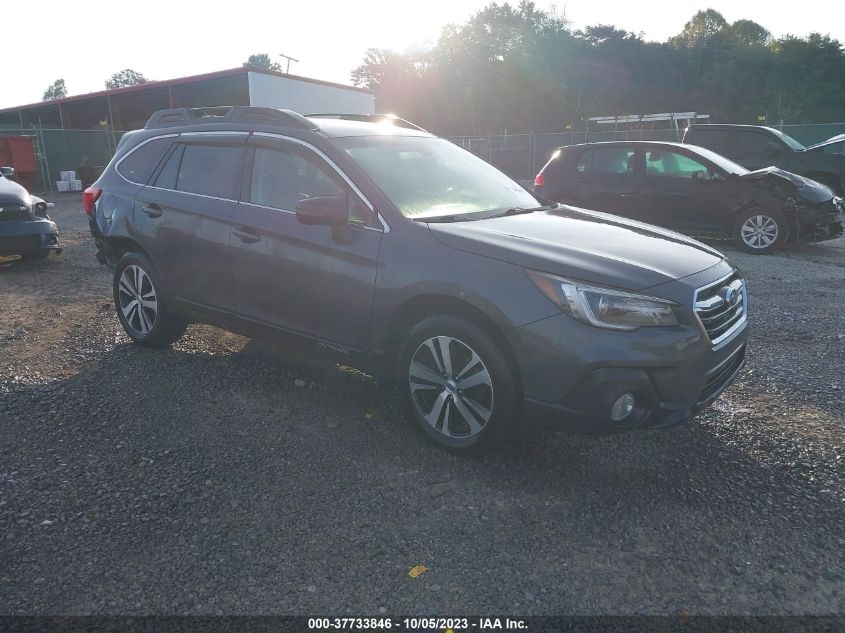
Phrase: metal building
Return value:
(129, 108)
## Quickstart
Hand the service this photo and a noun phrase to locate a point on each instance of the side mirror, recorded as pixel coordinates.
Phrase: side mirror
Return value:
(772, 149)
(326, 210)
(8, 172)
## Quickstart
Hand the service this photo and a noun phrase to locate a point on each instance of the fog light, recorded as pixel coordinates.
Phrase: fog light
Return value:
(623, 407)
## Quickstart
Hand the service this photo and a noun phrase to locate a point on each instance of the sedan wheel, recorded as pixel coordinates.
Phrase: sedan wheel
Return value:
(451, 387)
(759, 231)
(137, 300)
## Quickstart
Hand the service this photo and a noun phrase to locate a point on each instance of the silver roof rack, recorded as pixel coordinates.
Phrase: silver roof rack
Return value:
(228, 114)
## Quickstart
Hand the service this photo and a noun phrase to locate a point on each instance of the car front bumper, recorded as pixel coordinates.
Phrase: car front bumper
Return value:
(573, 373)
(816, 224)
(28, 236)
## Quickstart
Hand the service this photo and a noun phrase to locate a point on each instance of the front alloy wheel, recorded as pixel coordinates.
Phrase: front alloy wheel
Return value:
(761, 231)
(460, 391)
(451, 387)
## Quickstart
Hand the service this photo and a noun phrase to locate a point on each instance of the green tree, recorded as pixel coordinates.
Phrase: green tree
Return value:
(262, 60)
(521, 69)
(750, 33)
(56, 90)
(704, 27)
(124, 78)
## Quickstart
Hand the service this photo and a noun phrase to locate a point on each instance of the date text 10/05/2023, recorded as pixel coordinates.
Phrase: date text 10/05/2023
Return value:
(448, 625)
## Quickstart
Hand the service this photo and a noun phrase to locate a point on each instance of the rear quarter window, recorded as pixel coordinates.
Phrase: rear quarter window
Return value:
(139, 165)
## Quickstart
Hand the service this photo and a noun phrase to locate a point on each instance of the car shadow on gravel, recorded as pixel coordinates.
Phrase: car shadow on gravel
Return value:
(265, 389)
(220, 460)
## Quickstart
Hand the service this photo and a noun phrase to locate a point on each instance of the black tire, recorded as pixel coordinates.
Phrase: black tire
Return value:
(147, 326)
(35, 255)
(765, 242)
(496, 392)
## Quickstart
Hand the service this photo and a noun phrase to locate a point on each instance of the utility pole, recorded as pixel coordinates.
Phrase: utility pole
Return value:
(290, 59)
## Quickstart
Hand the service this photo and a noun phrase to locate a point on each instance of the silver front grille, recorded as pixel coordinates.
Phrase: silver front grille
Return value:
(721, 307)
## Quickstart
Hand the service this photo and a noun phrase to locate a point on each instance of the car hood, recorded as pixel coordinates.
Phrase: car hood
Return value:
(833, 139)
(12, 192)
(804, 188)
(586, 245)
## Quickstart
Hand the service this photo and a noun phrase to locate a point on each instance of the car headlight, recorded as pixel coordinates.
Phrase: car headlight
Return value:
(604, 307)
(839, 204)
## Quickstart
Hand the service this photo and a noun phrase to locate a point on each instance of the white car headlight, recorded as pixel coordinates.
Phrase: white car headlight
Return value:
(605, 307)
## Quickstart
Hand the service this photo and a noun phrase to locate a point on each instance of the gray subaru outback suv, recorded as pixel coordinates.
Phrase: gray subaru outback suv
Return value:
(369, 240)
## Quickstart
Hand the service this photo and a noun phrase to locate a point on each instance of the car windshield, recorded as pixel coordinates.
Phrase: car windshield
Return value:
(429, 178)
(726, 164)
(786, 138)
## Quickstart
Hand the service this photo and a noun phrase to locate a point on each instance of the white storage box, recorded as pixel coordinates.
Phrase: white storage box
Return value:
(67, 175)
(75, 185)
(63, 185)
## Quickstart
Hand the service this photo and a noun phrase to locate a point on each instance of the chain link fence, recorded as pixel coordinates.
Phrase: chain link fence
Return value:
(521, 156)
(86, 152)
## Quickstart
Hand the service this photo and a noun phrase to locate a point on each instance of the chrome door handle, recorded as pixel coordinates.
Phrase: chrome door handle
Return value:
(246, 235)
(152, 210)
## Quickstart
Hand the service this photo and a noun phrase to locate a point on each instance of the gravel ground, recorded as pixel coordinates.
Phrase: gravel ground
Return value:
(202, 480)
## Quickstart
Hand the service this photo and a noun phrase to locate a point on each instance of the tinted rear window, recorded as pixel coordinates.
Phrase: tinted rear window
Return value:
(607, 160)
(140, 164)
(720, 141)
(212, 170)
(751, 143)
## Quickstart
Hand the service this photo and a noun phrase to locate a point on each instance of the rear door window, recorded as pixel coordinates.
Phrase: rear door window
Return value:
(753, 143)
(166, 178)
(607, 160)
(212, 170)
(720, 141)
(139, 165)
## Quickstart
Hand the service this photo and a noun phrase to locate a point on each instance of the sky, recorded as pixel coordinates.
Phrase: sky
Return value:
(86, 41)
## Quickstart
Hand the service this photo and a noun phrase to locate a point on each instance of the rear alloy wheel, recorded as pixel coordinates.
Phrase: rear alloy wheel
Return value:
(761, 232)
(137, 300)
(458, 385)
(140, 307)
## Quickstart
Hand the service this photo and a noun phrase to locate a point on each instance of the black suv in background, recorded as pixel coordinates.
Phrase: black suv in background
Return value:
(757, 146)
(693, 190)
(385, 247)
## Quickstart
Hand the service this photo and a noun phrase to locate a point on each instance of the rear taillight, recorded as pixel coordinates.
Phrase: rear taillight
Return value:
(89, 197)
(540, 180)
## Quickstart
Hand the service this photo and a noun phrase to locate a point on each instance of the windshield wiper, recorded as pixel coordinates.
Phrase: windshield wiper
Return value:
(468, 217)
(521, 210)
(461, 217)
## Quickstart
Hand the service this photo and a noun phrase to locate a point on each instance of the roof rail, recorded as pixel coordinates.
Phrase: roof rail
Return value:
(227, 114)
(369, 118)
